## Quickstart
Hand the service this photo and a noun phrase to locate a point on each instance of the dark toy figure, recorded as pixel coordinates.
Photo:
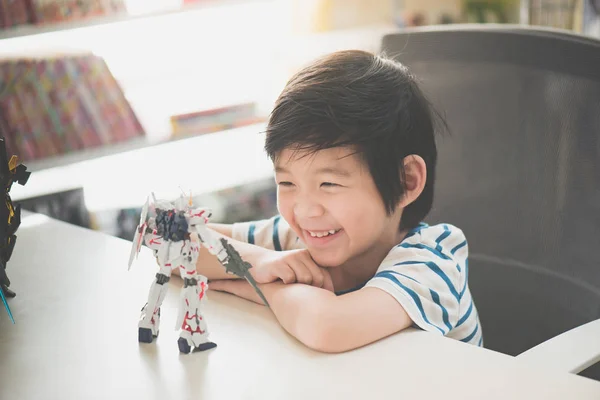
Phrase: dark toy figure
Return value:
(10, 217)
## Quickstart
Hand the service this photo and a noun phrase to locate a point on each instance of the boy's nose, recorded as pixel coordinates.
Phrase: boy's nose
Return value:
(305, 208)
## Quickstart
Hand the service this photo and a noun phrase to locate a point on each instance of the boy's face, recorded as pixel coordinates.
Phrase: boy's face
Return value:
(330, 200)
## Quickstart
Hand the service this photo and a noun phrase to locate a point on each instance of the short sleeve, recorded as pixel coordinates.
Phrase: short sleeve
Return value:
(273, 233)
(425, 274)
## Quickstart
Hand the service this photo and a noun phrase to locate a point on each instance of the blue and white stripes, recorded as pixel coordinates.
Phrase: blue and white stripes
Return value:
(273, 233)
(428, 274)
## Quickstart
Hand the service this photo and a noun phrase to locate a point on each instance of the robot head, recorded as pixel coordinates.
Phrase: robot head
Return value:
(160, 204)
(183, 203)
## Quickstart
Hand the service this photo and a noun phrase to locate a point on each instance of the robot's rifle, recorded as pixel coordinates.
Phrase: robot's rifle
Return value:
(234, 264)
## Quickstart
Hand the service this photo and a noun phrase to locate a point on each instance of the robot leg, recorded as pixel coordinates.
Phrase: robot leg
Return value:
(148, 326)
(194, 331)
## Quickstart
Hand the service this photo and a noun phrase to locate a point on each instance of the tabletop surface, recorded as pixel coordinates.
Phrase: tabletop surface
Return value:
(75, 337)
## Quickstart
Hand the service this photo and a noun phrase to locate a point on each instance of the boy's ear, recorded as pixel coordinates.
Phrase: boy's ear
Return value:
(415, 173)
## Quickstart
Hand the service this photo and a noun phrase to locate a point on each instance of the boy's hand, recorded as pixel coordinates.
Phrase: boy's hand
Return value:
(293, 266)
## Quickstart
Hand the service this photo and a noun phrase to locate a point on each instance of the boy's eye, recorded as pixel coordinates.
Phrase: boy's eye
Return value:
(329, 184)
(284, 183)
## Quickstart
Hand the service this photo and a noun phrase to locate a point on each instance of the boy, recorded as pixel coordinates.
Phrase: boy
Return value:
(349, 261)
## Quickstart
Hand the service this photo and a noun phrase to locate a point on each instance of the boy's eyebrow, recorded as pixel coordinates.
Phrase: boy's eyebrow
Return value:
(325, 170)
(334, 171)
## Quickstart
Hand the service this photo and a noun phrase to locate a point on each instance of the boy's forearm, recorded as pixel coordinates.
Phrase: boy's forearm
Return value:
(301, 310)
(332, 324)
(326, 322)
(209, 266)
(223, 229)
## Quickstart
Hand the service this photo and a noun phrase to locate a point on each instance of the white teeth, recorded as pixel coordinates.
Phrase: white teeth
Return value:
(322, 234)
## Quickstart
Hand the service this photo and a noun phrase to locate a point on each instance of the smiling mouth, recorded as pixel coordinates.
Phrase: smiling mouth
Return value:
(319, 234)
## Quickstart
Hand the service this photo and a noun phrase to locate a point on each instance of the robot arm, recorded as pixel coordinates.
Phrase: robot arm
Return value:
(198, 216)
(227, 255)
(197, 220)
(153, 240)
(208, 239)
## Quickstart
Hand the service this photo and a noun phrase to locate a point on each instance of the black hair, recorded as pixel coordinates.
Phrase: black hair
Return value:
(369, 103)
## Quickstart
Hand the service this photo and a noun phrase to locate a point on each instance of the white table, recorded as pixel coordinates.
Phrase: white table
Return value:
(75, 337)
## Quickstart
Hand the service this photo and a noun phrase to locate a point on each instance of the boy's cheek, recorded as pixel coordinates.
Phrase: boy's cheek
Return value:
(283, 203)
(285, 210)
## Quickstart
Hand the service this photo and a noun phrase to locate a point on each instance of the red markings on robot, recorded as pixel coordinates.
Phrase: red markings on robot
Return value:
(141, 229)
(187, 327)
(192, 317)
(203, 288)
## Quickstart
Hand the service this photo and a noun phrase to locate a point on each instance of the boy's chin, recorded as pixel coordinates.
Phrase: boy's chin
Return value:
(327, 262)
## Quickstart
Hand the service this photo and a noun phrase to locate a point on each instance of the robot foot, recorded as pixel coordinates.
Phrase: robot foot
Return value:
(145, 335)
(205, 346)
(7, 291)
(186, 348)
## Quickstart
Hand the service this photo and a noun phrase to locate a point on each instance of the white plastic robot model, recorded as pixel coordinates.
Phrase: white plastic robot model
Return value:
(169, 236)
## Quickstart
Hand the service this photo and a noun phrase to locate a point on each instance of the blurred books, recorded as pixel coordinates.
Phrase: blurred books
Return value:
(59, 104)
(214, 120)
(15, 12)
(20, 12)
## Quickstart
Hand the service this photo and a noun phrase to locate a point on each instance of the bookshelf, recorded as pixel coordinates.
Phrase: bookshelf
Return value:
(288, 55)
(251, 55)
(157, 81)
(31, 29)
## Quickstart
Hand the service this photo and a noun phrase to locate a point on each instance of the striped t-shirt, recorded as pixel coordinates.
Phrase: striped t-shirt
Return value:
(427, 273)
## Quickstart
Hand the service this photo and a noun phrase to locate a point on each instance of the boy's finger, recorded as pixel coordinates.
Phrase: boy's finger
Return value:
(316, 272)
(303, 274)
(285, 273)
(262, 275)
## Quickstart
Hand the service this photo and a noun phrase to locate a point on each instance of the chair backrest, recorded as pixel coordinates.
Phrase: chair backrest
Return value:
(520, 171)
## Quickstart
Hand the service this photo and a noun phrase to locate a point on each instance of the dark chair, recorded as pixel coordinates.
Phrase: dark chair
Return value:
(519, 174)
